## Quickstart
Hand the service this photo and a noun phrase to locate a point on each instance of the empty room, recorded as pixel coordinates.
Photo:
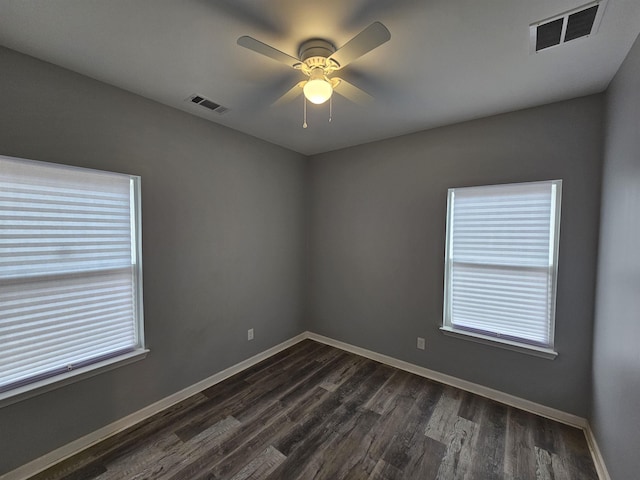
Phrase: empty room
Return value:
(287, 239)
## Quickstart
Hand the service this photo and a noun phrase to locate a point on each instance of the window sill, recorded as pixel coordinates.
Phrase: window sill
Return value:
(37, 388)
(547, 353)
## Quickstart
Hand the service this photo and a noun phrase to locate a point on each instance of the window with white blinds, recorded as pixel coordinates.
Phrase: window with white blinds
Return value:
(70, 272)
(501, 262)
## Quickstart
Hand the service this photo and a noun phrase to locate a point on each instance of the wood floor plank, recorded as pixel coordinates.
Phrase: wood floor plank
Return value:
(382, 400)
(306, 449)
(416, 385)
(277, 362)
(168, 457)
(307, 406)
(488, 450)
(228, 460)
(316, 412)
(543, 434)
(412, 432)
(144, 461)
(544, 469)
(472, 407)
(351, 461)
(88, 471)
(315, 419)
(445, 415)
(256, 394)
(261, 466)
(402, 415)
(384, 471)
(424, 457)
(341, 451)
(170, 463)
(289, 362)
(519, 457)
(458, 456)
(225, 462)
(393, 422)
(573, 456)
(563, 467)
(244, 436)
(339, 376)
(254, 435)
(337, 362)
(280, 419)
(238, 382)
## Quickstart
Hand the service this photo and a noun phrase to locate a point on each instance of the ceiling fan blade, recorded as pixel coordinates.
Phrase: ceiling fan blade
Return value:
(291, 95)
(371, 37)
(351, 92)
(364, 10)
(248, 12)
(268, 51)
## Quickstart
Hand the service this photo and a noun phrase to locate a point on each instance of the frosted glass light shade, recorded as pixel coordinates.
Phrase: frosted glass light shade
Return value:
(317, 90)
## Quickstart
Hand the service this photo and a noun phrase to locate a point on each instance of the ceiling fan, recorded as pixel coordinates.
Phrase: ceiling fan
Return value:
(318, 59)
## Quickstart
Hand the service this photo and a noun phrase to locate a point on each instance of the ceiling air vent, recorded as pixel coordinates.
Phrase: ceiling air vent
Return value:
(576, 23)
(206, 103)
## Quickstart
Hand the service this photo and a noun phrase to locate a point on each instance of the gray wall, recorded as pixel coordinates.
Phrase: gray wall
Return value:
(377, 243)
(223, 241)
(615, 414)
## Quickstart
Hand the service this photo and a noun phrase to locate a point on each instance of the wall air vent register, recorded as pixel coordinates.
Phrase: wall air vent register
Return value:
(206, 103)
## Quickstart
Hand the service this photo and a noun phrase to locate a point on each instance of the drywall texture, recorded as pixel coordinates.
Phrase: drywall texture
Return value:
(223, 243)
(377, 240)
(615, 414)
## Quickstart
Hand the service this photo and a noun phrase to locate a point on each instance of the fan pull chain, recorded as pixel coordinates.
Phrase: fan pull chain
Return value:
(330, 107)
(304, 123)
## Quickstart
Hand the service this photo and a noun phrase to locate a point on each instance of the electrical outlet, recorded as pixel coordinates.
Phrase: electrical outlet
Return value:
(420, 343)
(250, 334)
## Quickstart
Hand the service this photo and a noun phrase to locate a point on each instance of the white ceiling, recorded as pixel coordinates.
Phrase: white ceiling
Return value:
(447, 60)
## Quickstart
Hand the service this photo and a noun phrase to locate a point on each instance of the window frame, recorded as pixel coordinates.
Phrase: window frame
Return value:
(507, 342)
(98, 364)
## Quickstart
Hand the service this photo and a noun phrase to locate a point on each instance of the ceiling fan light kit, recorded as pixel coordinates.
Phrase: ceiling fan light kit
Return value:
(318, 59)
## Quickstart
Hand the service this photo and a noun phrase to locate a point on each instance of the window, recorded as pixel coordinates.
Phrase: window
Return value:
(501, 264)
(70, 272)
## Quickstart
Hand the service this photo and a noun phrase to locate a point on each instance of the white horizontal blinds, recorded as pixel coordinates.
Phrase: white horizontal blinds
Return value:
(61, 220)
(67, 276)
(501, 260)
(48, 325)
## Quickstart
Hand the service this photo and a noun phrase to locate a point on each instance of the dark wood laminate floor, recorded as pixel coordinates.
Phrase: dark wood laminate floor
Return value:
(316, 412)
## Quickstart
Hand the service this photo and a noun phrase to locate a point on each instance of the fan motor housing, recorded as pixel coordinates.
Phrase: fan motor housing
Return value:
(316, 47)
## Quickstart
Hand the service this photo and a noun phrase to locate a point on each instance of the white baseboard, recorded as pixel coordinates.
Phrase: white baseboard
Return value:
(66, 451)
(46, 461)
(598, 459)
